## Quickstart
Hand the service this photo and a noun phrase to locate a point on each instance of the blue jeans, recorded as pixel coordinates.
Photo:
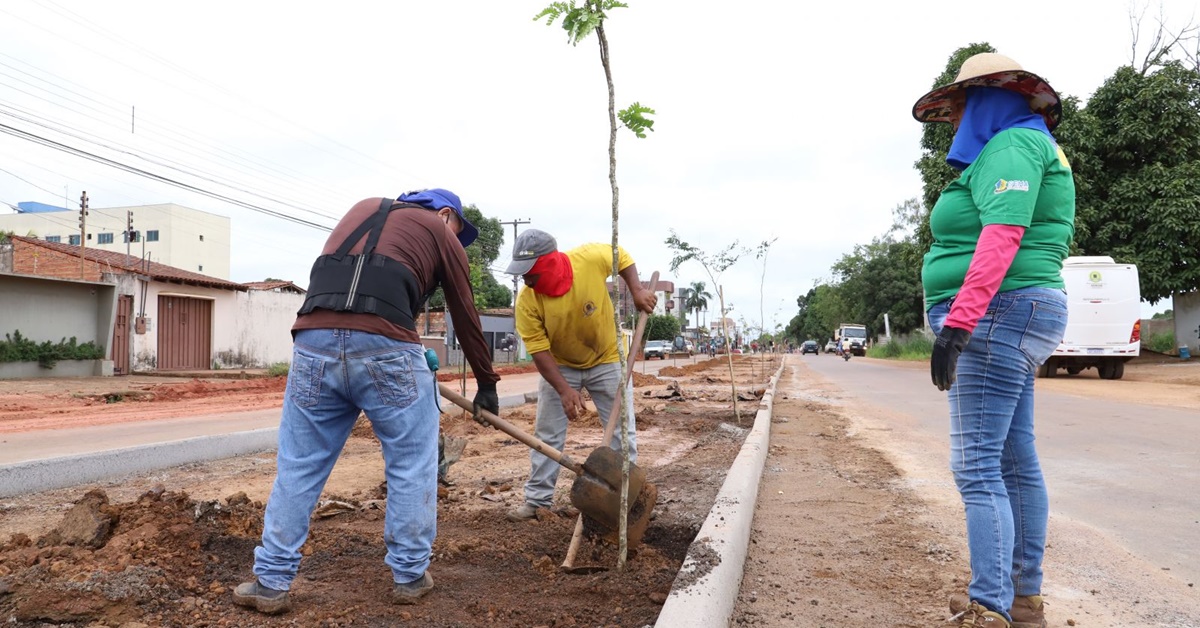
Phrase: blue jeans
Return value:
(551, 426)
(992, 453)
(335, 373)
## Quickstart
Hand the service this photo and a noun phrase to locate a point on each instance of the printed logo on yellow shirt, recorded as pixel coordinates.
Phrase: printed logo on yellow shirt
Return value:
(1014, 185)
(589, 308)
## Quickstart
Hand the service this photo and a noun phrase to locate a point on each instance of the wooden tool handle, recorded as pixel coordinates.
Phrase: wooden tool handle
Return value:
(512, 430)
(614, 415)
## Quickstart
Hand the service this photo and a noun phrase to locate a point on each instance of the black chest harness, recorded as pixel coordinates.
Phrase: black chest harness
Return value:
(366, 283)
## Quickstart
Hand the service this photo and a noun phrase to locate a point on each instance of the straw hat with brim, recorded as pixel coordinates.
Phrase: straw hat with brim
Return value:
(989, 69)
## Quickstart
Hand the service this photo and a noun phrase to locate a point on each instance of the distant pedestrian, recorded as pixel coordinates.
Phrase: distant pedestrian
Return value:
(995, 297)
(357, 350)
(565, 318)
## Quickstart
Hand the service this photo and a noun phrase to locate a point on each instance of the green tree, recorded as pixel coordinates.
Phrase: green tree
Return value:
(482, 253)
(1137, 170)
(697, 299)
(661, 327)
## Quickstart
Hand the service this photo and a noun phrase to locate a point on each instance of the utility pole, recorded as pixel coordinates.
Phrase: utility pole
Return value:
(514, 223)
(128, 234)
(83, 212)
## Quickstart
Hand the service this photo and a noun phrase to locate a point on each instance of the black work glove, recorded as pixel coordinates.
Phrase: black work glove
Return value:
(486, 399)
(946, 349)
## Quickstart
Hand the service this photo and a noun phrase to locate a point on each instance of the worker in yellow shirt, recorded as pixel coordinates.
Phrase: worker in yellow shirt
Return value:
(565, 317)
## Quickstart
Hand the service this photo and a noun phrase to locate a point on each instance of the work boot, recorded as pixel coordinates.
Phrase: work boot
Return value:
(410, 592)
(524, 512)
(256, 596)
(1027, 610)
(977, 616)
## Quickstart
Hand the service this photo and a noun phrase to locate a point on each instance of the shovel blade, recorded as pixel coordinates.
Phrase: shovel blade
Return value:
(597, 494)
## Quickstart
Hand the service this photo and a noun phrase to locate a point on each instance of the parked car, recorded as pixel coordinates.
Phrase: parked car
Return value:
(810, 346)
(656, 349)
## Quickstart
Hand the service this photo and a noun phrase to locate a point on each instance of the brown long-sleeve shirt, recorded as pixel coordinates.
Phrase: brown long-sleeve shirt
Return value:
(419, 240)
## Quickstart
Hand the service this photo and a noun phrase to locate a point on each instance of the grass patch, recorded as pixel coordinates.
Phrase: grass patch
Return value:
(1162, 342)
(916, 347)
(278, 369)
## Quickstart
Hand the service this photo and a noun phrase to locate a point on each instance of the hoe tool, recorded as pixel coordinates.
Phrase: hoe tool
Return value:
(597, 488)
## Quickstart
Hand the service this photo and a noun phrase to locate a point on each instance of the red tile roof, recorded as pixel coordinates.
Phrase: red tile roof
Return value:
(117, 261)
(286, 286)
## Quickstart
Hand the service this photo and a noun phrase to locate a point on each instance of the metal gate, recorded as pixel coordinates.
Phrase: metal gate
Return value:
(184, 333)
(120, 340)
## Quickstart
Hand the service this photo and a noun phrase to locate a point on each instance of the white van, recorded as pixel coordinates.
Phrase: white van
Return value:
(1104, 318)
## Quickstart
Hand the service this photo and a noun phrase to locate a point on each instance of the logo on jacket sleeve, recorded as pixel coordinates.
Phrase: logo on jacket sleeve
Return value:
(1015, 185)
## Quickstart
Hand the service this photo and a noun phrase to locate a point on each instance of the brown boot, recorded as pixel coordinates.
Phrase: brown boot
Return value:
(1026, 611)
(976, 616)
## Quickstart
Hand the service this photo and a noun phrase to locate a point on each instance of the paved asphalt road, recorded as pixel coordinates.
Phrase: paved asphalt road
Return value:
(45, 444)
(1131, 471)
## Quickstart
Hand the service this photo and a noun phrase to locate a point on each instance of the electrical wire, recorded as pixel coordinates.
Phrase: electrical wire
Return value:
(18, 133)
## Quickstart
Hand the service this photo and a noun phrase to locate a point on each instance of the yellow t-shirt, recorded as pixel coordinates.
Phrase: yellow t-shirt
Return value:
(577, 327)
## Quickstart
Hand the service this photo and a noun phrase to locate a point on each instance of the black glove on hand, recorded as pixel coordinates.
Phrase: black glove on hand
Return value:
(946, 349)
(486, 399)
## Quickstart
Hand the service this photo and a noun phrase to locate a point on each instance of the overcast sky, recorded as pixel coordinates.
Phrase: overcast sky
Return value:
(774, 118)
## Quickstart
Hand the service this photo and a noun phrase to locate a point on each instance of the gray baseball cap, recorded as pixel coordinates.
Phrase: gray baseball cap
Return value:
(530, 245)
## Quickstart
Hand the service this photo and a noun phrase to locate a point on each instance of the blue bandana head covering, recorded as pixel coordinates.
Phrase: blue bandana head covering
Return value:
(990, 110)
(438, 198)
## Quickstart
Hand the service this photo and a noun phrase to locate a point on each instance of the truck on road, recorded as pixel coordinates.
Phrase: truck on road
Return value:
(853, 337)
(1104, 321)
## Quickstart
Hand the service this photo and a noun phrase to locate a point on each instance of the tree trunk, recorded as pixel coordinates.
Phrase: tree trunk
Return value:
(623, 416)
(729, 354)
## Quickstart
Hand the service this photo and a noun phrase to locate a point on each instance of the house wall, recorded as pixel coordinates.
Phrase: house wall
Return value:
(46, 309)
(263, 329)
(1186, 308)
(29, 259)
(179, 234)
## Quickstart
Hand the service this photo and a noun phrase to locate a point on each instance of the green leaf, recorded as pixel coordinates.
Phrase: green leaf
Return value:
(634, 118)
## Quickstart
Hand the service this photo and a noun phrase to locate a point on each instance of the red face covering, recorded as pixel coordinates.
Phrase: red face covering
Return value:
(555, 274)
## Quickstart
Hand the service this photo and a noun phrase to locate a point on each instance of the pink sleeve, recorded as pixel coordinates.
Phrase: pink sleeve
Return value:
(994, 253)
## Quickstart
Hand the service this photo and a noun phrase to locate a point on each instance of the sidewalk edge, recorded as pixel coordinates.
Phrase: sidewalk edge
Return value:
(710, 592)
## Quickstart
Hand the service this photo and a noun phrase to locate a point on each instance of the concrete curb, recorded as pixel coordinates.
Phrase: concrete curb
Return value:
(704, 593)
(54, 473)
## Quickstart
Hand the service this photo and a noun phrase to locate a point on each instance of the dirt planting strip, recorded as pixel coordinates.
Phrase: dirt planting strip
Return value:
(168, 548)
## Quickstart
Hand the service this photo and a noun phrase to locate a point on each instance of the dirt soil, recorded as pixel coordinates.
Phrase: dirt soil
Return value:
(166, 549)
(839, 538)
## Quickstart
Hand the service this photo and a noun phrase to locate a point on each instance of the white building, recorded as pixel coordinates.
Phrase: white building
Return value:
(169, 234)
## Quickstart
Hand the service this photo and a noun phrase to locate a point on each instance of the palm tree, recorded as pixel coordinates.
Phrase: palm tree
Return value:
(697, 299)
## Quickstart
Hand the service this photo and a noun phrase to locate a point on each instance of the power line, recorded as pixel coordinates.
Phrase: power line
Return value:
(167, 163)
(18, 133)
(242, 158)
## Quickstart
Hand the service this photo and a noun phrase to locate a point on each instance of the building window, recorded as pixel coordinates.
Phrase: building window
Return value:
(201, 267)
(73, 240)
(54, 238)
(152, 235)
(201, 237)
(104, 238)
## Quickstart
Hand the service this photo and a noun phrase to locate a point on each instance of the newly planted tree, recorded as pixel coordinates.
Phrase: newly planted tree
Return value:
(581, 20)
(714, 265)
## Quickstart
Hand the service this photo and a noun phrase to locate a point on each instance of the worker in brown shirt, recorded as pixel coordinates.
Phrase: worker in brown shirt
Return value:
(356, 349)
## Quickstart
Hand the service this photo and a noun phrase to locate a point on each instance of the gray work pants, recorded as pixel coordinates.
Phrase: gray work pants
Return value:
(601, 383)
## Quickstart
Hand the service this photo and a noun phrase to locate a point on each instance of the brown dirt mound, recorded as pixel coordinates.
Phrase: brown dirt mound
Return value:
(450, 374)
(641, 380)
(207, 388)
